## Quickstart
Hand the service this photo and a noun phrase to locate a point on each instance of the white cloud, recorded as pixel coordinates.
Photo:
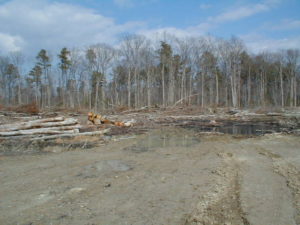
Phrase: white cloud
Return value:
(258, 43)
(287, 24)
(42, 24)
(204, 6)
(239, 13)
(212, 22)
(10, 43)
(124, 3)
(133, 3)
(234, 14)
(159, 33)
(30, 25)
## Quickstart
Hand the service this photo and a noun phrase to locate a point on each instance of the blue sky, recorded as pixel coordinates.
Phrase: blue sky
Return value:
(30, 25)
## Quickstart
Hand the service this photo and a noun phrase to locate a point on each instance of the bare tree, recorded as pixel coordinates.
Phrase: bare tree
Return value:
(292, 57)
(131, 50)
(4, 62)
(148, 63)
(44, 61)
(217, 72)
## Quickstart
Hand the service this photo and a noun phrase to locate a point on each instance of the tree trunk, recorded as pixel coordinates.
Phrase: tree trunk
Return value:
(249, 86)
(198, 90)
(19, 92)
(295, 92)
(281, 86)
(117, 101)
(148, 88)
(262, 91)
(171, 85)
(163, 84)
(90, 99)
(226, 94)
(129, 89)
(49, 87)
(202, 89)
(239, 86)
(36, 96)
(217, 88)
(135, 88)
(234, 87)
(183, 78)
(96, 95)
(103, 96)
(190, 89)
(139, 90)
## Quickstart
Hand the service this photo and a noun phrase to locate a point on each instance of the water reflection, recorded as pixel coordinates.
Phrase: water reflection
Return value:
(163, 138)
(235, 128)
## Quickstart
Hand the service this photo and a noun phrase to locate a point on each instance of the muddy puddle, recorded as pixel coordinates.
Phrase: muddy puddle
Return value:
(186, 134)
(163, 138)
(236, 128)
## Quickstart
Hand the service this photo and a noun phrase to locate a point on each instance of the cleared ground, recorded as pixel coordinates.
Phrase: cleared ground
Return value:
(164, 176)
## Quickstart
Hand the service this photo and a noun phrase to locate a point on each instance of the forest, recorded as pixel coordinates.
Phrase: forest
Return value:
(139, 72)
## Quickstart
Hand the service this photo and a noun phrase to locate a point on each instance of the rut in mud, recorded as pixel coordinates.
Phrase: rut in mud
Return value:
(254, 186)
(222, 203)
(291, 175)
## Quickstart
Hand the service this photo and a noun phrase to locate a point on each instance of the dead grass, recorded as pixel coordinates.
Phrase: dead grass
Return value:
(31, 108)
(69, 110)
(263, 110)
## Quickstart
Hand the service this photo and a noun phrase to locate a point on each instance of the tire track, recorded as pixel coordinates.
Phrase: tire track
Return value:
(222, 204)
(290, 174)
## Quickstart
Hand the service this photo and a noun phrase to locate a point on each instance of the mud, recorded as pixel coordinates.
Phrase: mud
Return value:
(154, 174)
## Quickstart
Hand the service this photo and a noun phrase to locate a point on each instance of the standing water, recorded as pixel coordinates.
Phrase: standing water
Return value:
(165, 137)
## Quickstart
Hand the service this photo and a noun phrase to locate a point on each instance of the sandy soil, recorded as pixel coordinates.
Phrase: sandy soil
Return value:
(165, 176)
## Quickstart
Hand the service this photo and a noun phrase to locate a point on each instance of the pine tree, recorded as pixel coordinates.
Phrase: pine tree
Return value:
(43, 60)
(35, 78)
(64, 65)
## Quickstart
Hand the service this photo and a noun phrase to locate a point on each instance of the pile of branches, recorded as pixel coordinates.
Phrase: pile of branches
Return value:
(44, 129)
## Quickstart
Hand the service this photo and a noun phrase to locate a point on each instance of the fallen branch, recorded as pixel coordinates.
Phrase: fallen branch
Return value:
(184, 99)
(48, 122)
(72, 135)
(50, 130)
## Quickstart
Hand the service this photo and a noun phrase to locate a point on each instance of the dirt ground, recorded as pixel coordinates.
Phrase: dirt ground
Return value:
(165, 175)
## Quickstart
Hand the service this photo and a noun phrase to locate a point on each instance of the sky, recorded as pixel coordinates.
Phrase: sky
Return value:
(31, 25)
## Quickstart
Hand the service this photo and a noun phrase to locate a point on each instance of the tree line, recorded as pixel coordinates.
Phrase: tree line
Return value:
(203, 71)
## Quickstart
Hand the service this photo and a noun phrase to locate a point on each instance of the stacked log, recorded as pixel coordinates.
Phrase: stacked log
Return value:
(44, 129)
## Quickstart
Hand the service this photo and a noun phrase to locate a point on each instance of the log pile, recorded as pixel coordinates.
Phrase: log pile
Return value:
(98, 119)
(44, 129)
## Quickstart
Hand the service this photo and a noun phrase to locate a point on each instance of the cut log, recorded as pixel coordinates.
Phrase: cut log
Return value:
(28, 118)
(50, 122)
(21, 137)
(72, 135)
(29, 124)
(49, 130)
